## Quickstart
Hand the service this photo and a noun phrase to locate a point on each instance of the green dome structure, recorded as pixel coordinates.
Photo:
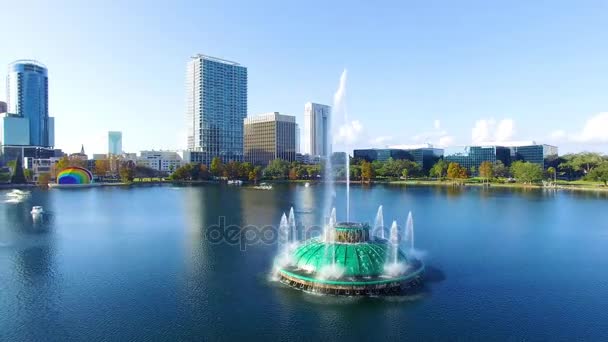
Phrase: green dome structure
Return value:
(350, 263)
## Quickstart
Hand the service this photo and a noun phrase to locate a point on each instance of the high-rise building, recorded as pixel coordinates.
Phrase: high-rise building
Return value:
(216, 106)
(114, 143)
(317, 126)
(270, 136)
(298, 139)
(27, 90)
(3, 107)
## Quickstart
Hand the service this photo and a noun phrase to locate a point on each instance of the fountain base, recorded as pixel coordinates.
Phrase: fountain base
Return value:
(354, 286)
(352, 264)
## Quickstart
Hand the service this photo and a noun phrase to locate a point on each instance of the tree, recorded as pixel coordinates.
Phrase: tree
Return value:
(355, 172)
(277, 169)
(203, 172)
(217, 167)
(456, 172)
(439, 170)
(486, 170)
(232, 170)
(245, 169)
(255, 173)
(102, 167)
(583, 162)
(126, 171)
(141, 171)
(62, 164)
(527, 172)
(293, 173)
(18, 176)
(367, 171)
(182, 173)
(44, 179)
(500, 170)
(599, 173)
(552, 173)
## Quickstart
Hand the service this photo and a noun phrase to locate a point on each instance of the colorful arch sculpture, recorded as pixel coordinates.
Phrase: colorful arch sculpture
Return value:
(75, 175)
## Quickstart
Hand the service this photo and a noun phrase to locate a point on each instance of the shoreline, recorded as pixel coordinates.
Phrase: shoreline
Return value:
(431, 183)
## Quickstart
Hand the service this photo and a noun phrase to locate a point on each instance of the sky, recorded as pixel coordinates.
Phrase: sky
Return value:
(410, 72)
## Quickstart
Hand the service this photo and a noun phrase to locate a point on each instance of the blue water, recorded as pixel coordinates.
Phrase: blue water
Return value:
(138, 264)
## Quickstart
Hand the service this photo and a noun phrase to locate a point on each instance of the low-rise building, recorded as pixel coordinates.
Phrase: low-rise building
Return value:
(163, 161)
(505, 152)
(426, 156)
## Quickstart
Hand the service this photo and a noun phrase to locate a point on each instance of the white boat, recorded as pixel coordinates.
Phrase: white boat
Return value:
(307, 184)
(18, 193)
(263, 186)
(37, 211)
(235, 182)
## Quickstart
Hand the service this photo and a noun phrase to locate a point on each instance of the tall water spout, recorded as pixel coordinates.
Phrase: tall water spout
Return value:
(345, 134)
(409, 230)
(394, 239)
(379, 224)
(292, 225)
(283, 238)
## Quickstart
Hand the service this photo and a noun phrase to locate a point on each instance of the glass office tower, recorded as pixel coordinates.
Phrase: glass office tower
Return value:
(216, 106)
(27, 88)
(114, 143)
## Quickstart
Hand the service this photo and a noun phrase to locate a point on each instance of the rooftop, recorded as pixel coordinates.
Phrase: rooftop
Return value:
(215, 59)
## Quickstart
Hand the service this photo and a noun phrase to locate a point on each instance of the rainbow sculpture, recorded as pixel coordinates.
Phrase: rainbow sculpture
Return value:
(74, 176)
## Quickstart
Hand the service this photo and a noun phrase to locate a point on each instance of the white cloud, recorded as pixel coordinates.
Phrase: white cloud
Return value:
(594, 131)
(445, 141)
(487, 130)
(381, 141)
(348, 133)
(437, 137)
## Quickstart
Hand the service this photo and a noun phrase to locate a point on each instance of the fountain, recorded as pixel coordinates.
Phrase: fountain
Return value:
(347, 259)
(379, 224)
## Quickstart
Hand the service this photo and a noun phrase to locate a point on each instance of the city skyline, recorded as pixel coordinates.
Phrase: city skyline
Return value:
(445, 82)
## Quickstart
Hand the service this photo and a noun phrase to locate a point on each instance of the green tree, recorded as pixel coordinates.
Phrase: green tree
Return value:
(599, 173)
(580, 164)
(255, 174)
(500, 170)
(277, 169)
(526, 172)
(182, 173)
(141, 171)
(439, 170)
(217, 167)
(244, 170)
(552, 173)
(18, 176)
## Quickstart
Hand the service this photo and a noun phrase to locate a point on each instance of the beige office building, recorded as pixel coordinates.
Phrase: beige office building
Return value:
(269, 136)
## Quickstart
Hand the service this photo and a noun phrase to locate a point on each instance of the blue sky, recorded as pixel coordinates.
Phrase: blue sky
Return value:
(448, 72)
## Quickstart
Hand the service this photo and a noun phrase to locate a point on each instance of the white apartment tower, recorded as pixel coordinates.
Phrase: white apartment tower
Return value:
(317, 127)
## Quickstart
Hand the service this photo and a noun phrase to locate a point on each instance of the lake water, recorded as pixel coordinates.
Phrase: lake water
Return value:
(138, 264)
